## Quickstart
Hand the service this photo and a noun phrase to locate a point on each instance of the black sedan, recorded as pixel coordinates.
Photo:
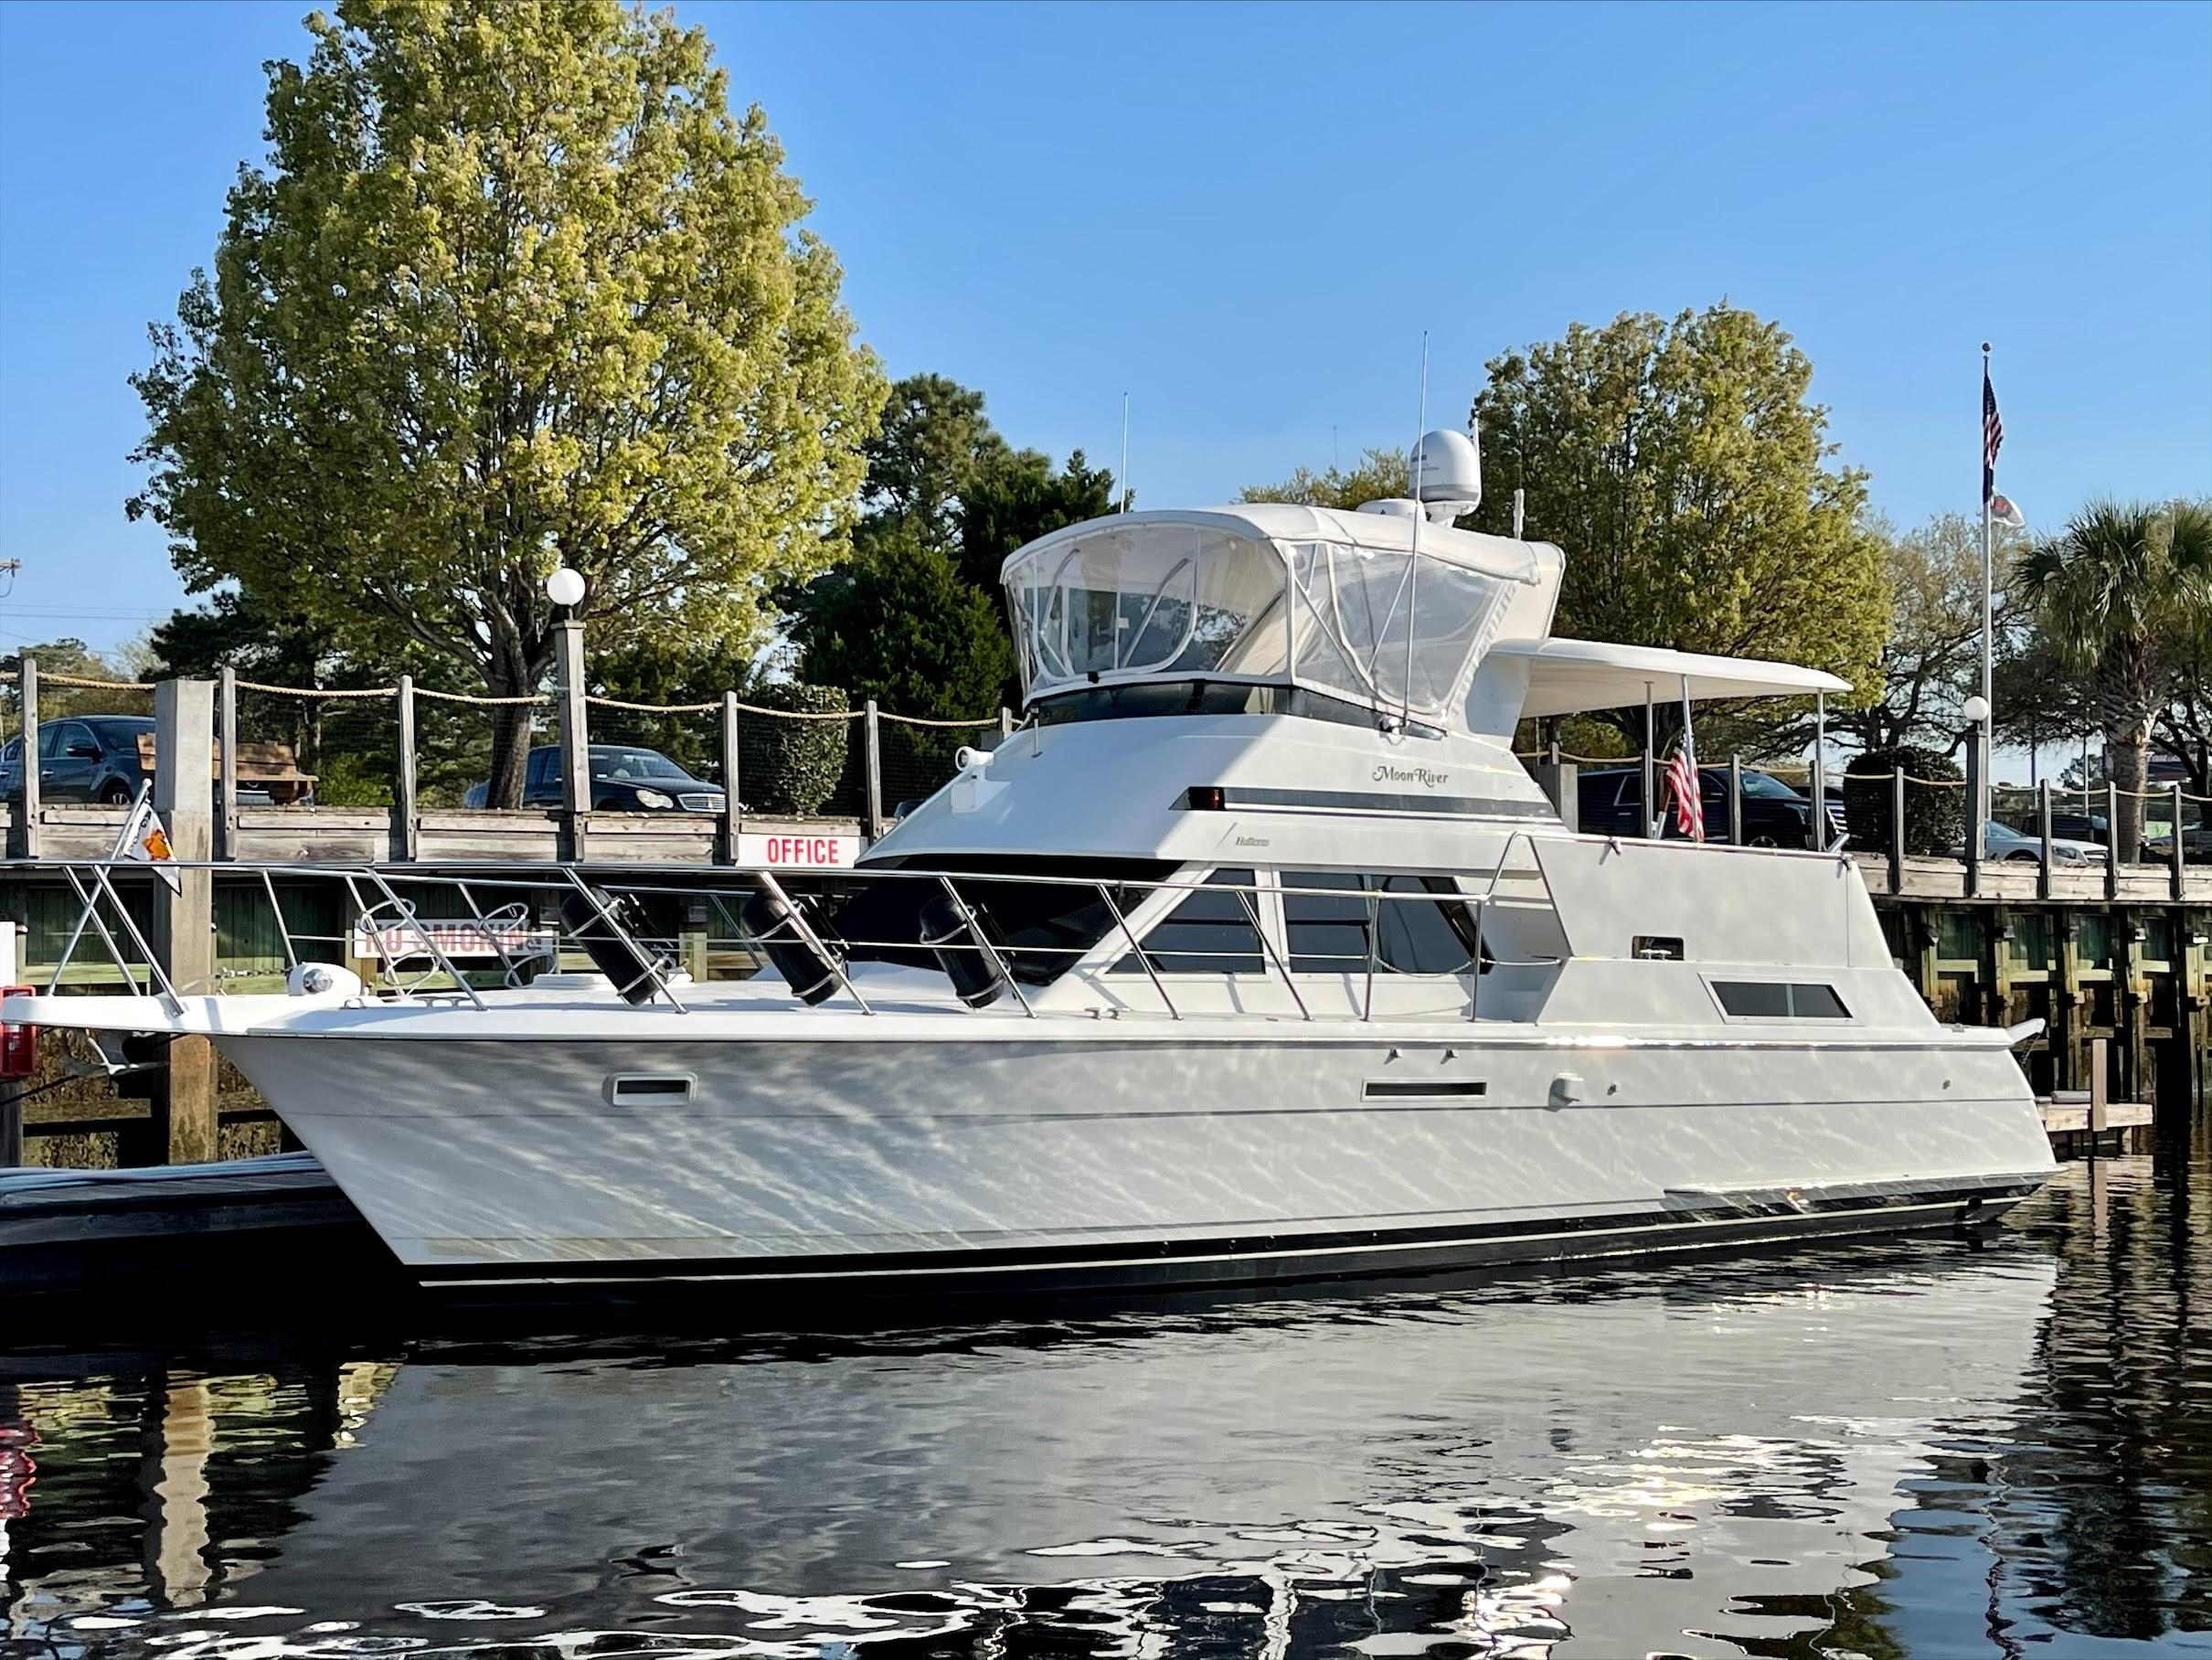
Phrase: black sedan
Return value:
(625, 779)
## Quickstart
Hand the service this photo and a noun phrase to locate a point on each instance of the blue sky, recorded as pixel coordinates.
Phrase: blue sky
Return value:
(1245, 216)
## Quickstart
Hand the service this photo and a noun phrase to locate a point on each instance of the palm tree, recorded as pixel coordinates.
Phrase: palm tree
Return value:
(2113, 593)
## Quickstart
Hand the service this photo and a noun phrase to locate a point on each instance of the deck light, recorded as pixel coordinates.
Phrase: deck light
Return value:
(565, 586)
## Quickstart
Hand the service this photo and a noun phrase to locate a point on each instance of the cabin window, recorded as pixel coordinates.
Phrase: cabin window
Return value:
(1779, 1000)
(1042, 927)
(1327, 930)
(1210, 933)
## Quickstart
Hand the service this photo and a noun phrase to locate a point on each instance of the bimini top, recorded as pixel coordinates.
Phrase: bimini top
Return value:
(1570, 676)
(1264, 593)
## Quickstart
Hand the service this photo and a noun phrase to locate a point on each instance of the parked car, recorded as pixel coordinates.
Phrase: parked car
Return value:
(2002, 841)
(625, 779)
(88, 758)
(1611, 803)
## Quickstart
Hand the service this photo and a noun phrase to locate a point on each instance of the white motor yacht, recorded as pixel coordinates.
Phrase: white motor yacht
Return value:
(1253, 952)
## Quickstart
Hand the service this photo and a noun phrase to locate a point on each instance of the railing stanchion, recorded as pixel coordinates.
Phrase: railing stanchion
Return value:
(999, 966)
(91, 914)
(1268, 945)
(793, 915)
(1121, 923)
(407, 914)
(292, 957)
(154, 967)
(1735, 801)
(606, 915)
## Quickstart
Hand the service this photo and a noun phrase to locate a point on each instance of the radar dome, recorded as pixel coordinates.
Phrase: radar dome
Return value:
(1448, 470)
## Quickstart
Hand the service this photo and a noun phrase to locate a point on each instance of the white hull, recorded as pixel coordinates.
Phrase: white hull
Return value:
(1095, 1156)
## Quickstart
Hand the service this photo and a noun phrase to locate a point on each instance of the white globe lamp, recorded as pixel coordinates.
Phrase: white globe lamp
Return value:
(565, 586)
(1976, 710)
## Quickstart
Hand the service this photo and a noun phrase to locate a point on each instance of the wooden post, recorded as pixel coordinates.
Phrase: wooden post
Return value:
(2111, 840)
(225, 824)
(692, 942)
(184, 919)
(575, 739)
(11, 1090)
(2043, 829)
(1735, 801)
(409, 826)
(2101, 1089)
(2181, 877)
(1005, 721)
(30, 756)
(873, 737)
(1897, 829)
(732, 808)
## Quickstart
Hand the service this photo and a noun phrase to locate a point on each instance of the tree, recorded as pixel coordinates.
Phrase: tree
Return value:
(1380, 475)
(2115, 592)
(898, 625)
(1930, 661)
(514, 290)
(945, 500)
(1681, 468)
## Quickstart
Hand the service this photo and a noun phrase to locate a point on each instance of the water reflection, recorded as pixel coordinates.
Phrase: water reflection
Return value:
(1913, 1449)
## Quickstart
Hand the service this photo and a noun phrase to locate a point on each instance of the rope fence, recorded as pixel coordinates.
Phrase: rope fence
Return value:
(374, 747)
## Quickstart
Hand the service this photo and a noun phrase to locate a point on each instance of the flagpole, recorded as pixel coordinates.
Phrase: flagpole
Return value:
(1989, 718)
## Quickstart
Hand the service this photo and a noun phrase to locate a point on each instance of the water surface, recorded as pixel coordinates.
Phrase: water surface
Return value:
(1926, 1449)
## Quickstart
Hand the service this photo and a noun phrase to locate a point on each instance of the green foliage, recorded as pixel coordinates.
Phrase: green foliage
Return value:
(1935, 819)
(515, 288)
(347, 778)
(1931, 660)
(1381, 476)
(69, 655)
(791, 768)
(899, 625)
(2122, 594)
(914, 620)
(1683, 470)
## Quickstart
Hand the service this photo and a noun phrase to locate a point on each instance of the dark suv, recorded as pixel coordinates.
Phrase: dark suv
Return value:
(625, 779)
(81, 758)
(1611, 803)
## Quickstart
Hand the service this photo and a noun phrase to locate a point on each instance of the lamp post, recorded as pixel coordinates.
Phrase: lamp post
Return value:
(1976, 713)
(565, 588)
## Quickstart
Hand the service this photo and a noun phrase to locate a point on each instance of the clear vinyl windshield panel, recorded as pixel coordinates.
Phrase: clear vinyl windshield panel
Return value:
(1185, 601)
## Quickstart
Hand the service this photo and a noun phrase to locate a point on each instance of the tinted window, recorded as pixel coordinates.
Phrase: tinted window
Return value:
(68, 735)
(1776, 999)
(49, 736)
(541, 767)
(1208, 933)
(1767, 787)
(1328, 933)
(120, 734)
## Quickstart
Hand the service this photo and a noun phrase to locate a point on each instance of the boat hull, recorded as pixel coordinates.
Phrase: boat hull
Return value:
(1059, 1163)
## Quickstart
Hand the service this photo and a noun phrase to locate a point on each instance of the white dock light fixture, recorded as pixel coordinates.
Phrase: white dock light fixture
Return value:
(565, 586)
(1976, 710)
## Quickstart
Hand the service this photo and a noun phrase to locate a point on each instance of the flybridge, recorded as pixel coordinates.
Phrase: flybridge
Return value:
(1368, 608)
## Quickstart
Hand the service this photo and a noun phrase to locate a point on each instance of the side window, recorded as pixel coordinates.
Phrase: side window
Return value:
(1632, 790)
(541, 770)
(1208, 933)
(1423, 936)
(1328, 929)
(50, 739)
(1779, 1000)
(70, 735)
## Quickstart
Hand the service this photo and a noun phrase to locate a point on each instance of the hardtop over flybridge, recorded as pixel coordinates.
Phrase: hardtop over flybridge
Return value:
(1253, 951)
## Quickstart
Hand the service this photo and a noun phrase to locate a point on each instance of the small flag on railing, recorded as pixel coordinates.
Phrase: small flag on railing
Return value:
(143, 840)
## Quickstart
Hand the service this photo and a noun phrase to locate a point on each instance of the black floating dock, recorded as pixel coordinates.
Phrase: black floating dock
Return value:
(62, 1229)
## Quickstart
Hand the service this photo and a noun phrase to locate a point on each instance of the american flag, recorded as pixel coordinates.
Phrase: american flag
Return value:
(1993, 436)
(1682, 781)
